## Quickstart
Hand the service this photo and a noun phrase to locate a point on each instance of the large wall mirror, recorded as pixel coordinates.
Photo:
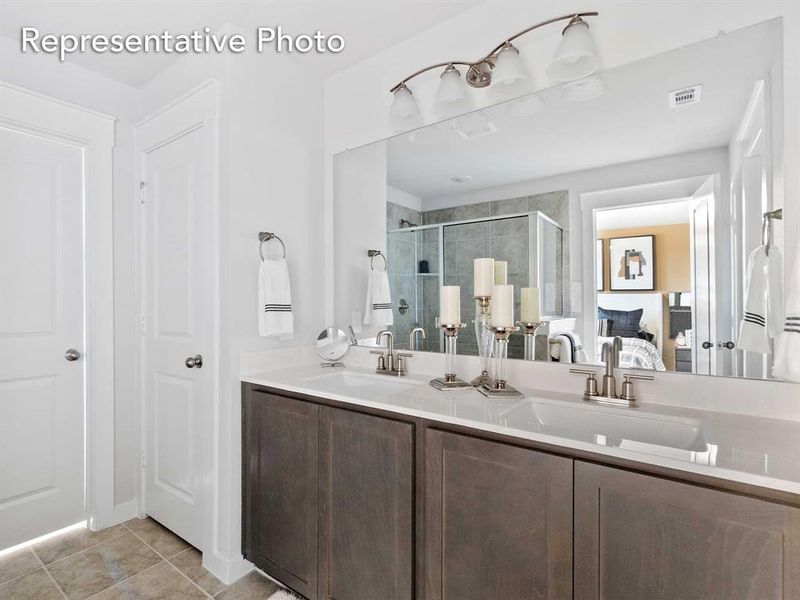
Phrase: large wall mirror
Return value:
(630, 201)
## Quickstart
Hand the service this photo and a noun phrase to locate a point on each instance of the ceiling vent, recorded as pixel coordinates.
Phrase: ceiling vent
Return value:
(685, 96)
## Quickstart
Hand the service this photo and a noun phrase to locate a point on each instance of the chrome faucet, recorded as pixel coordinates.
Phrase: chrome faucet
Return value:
(412, 337)
(609, 354)
(390, 363)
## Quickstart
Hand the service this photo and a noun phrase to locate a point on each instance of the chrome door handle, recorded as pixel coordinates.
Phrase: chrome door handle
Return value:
(194, 362)
(72, 355)
(707, 345)
(728, 345)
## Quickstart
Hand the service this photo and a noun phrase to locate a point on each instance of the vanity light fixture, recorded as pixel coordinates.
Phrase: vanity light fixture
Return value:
(502, 68)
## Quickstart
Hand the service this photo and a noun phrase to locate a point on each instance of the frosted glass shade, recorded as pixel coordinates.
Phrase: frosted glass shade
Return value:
(576, 56)
(584, 89)
(510, 77)
(452, 97)
(404, 113)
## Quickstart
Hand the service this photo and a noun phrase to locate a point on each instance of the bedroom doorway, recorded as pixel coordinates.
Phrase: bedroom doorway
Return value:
(654, 267)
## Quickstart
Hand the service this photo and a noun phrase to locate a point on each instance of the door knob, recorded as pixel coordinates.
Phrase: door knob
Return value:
(728, 345)
(194, 362)
(707, 345)
(72, 355)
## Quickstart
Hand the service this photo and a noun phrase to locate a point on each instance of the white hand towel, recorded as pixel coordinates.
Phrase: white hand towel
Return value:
(275, 317)
(787, 348)
(378, 308)
(763, 301)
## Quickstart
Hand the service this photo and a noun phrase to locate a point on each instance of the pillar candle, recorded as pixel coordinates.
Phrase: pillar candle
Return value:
(483, 276)
(500, 272)
(529, 311)
(503, 306)
(450, 305)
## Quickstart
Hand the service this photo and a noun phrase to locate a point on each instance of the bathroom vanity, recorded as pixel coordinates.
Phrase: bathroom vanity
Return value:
(359, 488)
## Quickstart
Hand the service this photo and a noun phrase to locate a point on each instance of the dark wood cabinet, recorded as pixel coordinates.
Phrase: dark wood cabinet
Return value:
(366, 507)
(638, 536)
(498, 521)
(280, 488)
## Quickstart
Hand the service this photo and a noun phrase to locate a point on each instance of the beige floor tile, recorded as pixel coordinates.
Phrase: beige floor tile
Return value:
(190, 562)
(161, 539)
(252, 586)
(75, 541)
(18, 563)
(36, 585)
(102, 566)
(162, 582)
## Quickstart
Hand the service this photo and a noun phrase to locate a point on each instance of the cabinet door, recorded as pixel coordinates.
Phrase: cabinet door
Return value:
(366, 494)
(643, 537)
(498, 521)
(280, 488)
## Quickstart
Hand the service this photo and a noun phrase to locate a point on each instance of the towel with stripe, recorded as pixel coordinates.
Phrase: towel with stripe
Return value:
(378, 307)
(787, 347)
(762, 320)
(275, 317)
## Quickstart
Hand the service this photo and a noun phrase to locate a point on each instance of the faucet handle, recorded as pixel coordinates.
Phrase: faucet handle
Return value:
(404, 354)
(591, 382)
(627, 385)
(381, 359)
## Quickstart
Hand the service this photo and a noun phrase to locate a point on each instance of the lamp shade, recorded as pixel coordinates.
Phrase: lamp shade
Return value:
(576, 56)
(404, 113)
(584, 89)
(452, 96)
(510, 77)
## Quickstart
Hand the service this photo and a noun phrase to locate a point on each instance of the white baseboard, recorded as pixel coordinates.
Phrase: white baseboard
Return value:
(125, 511)
(226, 569)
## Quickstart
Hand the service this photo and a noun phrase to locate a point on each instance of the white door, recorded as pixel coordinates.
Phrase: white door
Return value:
(702, 273)
(178, 324)
(41, 319)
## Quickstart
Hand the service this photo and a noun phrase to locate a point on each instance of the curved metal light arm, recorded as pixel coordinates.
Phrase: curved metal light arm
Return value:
(494, 51)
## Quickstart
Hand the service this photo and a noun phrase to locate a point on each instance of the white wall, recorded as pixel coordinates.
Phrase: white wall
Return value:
(357, 99)
(402, 198)
(270, 180)
(85, 88)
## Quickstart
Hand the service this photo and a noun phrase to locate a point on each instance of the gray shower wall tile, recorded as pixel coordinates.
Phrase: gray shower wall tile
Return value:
(509, 206)
(440, 215)
(511, 248)
(513, 226)
(395, 212)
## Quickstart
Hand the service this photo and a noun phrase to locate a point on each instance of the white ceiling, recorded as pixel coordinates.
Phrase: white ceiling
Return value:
(631, 122)
(663, 213)
(367, 26)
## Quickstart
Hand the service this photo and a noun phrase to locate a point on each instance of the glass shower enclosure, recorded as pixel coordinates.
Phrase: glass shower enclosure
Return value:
(423, 258)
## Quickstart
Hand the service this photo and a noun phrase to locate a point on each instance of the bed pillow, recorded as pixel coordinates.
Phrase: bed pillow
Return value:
(624, 323)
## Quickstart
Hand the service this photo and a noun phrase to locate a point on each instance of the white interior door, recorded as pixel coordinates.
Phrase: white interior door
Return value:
(702, 273)
(41, 318)
(179, 317)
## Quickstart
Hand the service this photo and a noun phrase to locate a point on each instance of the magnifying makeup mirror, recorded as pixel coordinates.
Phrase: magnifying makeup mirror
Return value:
(332, 345)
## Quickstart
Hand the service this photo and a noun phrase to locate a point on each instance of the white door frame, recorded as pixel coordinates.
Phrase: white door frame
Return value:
(197, 108)
(93, 132)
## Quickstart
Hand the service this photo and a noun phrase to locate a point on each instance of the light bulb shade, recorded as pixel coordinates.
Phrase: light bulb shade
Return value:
(584, 89)
(404, 113)
(510, 77)
(576, 56)
(452, 96)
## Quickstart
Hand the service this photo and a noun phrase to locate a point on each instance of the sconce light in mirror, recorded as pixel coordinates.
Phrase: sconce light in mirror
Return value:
(584, 89)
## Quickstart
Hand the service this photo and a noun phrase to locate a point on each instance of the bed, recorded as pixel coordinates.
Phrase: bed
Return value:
(642, 341)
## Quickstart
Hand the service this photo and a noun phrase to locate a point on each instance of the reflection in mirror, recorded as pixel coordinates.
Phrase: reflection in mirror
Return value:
(332, 346)
(632, 201)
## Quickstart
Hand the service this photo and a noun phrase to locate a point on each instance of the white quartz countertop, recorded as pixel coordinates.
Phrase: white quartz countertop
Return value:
(746, 449)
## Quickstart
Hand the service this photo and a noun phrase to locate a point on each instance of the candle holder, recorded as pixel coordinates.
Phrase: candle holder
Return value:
(499, 387)
(450, 381)
(485, 339)
(529, 330)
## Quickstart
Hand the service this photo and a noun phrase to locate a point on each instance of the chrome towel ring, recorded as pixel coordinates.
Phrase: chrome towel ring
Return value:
(266, 236)
(372, 254)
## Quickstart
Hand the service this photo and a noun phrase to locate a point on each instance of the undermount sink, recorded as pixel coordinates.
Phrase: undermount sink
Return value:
(361, 383)
(616, 427)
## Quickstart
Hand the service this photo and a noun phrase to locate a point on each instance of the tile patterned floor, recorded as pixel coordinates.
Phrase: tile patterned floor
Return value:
(139, 559)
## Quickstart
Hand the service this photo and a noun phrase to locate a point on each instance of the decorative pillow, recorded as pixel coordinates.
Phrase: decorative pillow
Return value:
(624, 323)
(604, 327)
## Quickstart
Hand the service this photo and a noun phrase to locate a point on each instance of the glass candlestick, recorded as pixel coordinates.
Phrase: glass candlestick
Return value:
(529, 330)
(450, 381)
(499, 387)
(485, 340)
